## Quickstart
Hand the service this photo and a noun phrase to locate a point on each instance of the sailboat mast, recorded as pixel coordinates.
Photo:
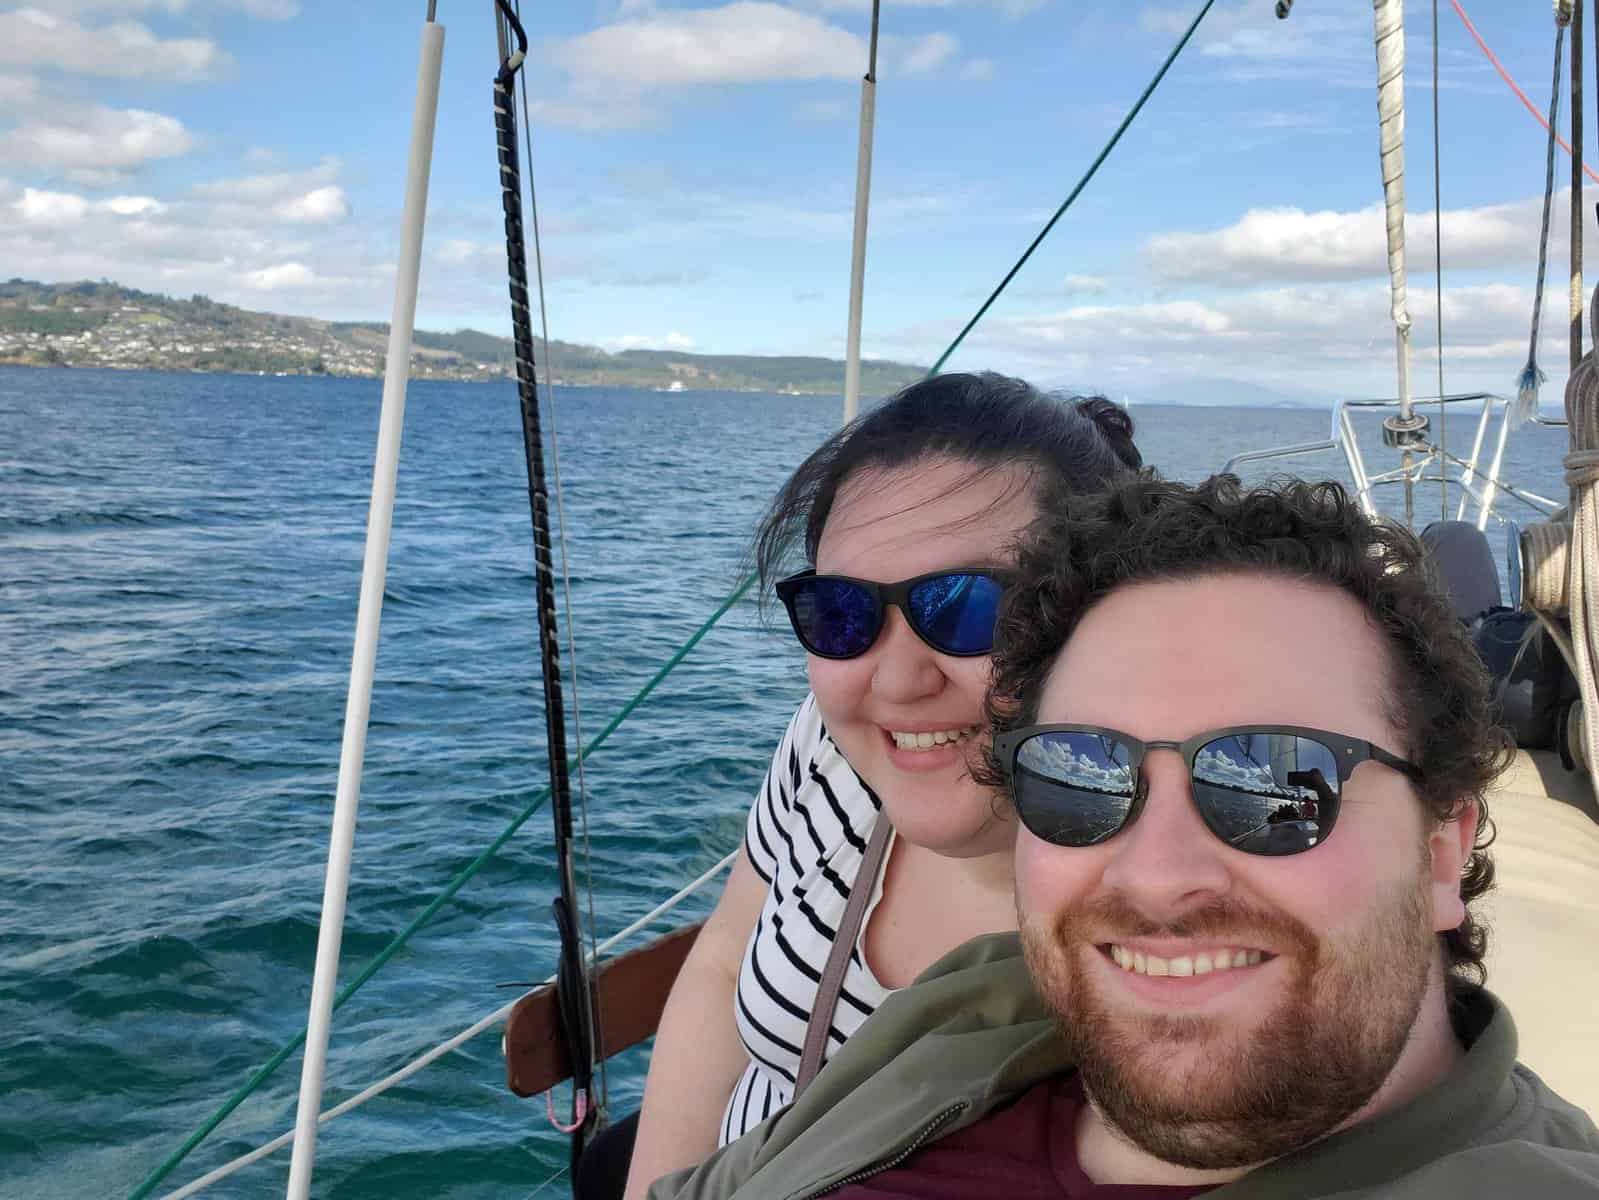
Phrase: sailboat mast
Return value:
(1406, 430)
(857, 266)
(396, 372)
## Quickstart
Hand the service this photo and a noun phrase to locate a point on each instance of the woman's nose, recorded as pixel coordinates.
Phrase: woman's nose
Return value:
(905, 667)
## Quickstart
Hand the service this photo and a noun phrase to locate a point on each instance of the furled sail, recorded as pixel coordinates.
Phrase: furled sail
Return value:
(1390, 26)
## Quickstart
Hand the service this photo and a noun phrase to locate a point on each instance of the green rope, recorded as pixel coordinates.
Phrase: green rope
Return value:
(439, 901)
(1081, 184)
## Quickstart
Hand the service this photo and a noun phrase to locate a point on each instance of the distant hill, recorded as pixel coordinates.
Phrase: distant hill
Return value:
(106, 325)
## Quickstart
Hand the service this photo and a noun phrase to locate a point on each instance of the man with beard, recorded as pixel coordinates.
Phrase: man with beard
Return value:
(1248, 746)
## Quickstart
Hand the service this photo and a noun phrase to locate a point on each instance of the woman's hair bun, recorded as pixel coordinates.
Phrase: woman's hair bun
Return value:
(1116, 423)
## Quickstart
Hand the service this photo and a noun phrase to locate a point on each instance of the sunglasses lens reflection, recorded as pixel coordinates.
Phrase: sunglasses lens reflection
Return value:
(1072, 788)
(1267, 793)
(956, 612)
(836, 618)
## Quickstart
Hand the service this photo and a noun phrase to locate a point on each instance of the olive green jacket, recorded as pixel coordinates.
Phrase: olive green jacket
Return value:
(971, 1034)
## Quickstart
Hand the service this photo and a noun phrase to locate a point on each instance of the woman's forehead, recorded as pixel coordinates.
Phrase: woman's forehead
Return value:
(927, 509)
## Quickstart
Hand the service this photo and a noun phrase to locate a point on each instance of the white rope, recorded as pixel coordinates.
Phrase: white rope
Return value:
(443, 1048)
(541, 1187)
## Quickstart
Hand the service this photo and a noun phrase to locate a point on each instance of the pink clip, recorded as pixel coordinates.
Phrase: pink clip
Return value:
(580, 1110)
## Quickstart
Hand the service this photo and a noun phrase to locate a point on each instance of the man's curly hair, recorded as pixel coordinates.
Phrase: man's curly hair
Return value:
(1082, 548)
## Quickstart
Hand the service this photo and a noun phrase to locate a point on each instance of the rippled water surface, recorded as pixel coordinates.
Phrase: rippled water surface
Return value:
(179, 562)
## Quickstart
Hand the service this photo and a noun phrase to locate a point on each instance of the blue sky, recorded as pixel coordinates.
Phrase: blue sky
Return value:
(695, 166)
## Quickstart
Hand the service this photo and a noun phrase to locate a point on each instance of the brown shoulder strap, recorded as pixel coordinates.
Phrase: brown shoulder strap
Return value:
(849, 930)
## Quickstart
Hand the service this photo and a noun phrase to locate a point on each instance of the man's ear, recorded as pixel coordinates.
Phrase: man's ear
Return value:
(1448, 848)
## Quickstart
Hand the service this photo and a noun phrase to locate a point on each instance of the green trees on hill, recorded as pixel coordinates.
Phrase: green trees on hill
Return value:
(203, 334)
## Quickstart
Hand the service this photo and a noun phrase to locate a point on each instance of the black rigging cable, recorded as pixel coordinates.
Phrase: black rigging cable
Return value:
(603, 1092)
(573, 984)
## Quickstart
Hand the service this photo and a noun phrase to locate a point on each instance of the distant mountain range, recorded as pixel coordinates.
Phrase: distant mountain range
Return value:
(106, 325)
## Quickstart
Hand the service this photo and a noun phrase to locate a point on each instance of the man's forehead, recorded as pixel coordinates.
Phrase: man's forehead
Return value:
(1206, 650)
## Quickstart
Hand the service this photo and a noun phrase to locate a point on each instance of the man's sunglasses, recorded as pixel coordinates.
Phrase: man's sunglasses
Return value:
(835, 616)
(1262, 789)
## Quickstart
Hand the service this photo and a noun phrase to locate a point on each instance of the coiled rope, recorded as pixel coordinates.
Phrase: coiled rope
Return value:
(1544, 566)
(1582, 586)
(1561, 559)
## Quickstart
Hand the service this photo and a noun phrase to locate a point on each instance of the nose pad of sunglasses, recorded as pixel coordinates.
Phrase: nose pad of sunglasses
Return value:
(1140, 797)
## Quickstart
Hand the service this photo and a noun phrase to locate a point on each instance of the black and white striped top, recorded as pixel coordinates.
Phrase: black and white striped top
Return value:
(807, 833)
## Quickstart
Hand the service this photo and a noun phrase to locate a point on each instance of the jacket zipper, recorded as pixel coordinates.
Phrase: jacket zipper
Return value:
(927, 1132)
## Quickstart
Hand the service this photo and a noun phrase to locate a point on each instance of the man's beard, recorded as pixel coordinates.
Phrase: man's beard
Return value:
(1252, 1094)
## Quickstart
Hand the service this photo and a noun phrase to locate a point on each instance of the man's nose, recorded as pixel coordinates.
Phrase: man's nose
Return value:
(1167, 862)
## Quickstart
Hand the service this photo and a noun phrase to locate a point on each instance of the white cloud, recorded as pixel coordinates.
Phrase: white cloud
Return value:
(458, 250)
(134, 206)
(595, 115)
(1290, 244)
(321, 206)
(38, 207)
(1084, 285)
(1293, 338)
(277, 187)
(34, 38)
(101, 143)
(41, 208)
(17, 90)
(1176, 319)
(616, 71)
(1010, 8)
(1247, 41)
(645, 341)
(750, 41)
(918, 56)
(832, 109)
(283, 275)
(268, 10)
(865, 6)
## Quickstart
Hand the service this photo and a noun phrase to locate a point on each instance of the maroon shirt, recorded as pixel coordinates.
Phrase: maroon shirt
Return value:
(1026, 1151)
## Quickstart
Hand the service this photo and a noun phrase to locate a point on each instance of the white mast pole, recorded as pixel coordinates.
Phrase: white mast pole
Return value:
(857, 266)
(373, 571)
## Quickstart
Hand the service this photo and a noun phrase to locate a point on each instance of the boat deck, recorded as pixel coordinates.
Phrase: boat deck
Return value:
(1543, 957)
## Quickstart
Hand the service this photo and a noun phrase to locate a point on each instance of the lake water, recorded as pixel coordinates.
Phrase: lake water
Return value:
(180, 558)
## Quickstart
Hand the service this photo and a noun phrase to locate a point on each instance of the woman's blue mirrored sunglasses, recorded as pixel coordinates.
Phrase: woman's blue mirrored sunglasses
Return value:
(835, 616)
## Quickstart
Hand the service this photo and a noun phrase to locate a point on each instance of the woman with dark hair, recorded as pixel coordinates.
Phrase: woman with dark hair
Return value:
(906, 520)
